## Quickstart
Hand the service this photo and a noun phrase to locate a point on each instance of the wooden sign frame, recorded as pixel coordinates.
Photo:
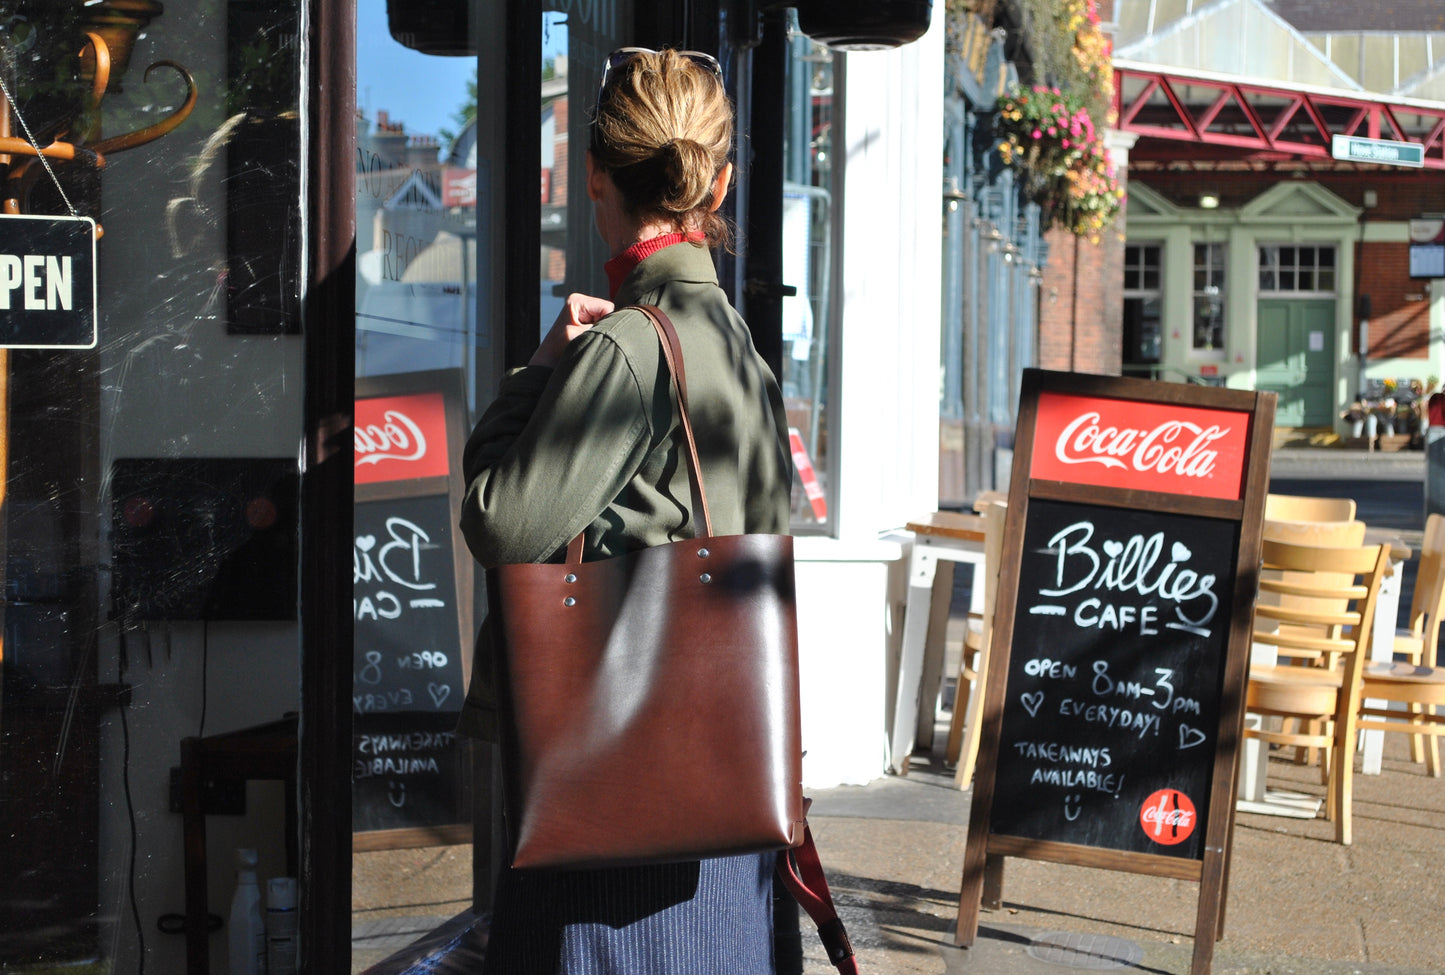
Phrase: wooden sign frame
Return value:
(441, 480)
(1054, 474)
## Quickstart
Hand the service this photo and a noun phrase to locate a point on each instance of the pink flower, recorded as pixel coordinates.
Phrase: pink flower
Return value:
(1036, 134)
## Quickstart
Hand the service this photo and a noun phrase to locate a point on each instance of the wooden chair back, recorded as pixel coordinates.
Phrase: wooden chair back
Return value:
(1419, 640)
(1321, 599)
(1300, 507)
(1330, 534)
(963, 731)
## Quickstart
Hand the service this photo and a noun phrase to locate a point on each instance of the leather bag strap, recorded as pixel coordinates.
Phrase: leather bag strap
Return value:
(802, 873)
(672, 354)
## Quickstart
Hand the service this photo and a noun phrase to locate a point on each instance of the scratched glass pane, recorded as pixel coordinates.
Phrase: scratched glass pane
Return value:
(151, 481)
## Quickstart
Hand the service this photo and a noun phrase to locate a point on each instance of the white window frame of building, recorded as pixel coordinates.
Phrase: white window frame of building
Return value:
(1213, 289)
(1282, 268)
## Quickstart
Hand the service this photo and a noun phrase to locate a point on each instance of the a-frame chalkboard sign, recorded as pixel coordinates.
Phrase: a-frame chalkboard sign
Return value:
(1114, 697)
(412, 595)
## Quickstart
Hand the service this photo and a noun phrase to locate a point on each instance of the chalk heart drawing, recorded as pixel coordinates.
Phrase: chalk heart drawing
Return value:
(1033, 700)
(1180, 552)
(1189, 737)
(365, 542)
(440, 693)
(1113, 547)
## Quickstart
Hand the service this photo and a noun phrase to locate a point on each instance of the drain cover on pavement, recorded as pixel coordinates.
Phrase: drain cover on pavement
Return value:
(1097, 952)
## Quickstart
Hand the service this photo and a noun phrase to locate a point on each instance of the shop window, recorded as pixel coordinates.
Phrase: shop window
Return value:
(807, 265)
(1296, 267)
(1143, 344)
(1209, 296)
(152, 522)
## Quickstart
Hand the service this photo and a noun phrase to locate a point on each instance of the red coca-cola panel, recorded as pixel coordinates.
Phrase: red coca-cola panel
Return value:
(1140, 445)
(399, 438)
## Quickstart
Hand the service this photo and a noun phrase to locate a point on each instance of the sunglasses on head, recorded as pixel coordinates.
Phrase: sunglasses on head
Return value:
(622, 55)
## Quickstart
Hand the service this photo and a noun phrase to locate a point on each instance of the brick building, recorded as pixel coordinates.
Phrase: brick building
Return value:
(1265, 247)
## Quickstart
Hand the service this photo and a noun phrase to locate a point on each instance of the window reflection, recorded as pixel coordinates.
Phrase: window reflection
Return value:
(807, 266)
(416, 239)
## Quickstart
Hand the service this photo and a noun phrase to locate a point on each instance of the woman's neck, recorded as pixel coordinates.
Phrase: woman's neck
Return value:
(636, 233)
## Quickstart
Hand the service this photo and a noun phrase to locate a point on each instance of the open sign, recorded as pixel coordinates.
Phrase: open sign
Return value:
(47, 283)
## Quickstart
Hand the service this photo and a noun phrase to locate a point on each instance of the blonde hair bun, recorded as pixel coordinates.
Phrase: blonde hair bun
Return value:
(663, 131)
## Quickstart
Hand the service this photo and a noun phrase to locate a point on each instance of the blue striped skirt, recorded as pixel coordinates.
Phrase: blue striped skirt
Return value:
(709, 917)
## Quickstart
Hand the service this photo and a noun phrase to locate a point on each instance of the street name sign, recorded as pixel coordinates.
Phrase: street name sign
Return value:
(1382, 151)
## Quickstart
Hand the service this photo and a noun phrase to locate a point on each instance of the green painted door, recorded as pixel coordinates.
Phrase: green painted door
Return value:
(1297, 359)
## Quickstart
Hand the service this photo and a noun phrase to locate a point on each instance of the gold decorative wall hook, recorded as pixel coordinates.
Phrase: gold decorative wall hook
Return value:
(166, 125)
(96, 56)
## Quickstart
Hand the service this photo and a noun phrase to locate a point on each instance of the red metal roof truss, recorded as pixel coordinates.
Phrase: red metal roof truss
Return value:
(1267, 120)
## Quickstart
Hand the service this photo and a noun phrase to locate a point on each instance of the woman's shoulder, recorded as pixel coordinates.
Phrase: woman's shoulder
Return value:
(628, 331)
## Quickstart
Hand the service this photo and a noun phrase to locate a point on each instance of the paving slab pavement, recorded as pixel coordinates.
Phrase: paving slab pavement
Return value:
(1297, 903)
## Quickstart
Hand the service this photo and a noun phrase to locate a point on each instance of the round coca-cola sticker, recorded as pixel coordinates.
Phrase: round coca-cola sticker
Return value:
(1168, 817)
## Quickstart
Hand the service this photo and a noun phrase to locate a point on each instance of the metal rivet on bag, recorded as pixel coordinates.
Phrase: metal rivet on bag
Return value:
(569, 601)
(703, 553)
(705, 578)
(569, 578)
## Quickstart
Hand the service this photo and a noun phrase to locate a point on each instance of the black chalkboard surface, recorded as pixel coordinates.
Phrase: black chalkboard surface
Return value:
(407, 682)
(1114, 678)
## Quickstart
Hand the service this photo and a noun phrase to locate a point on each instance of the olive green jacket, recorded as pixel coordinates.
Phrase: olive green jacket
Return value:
(593, 446)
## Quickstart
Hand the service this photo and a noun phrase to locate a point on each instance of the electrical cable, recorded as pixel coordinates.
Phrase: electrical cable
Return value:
(205, 672)
(134, 838)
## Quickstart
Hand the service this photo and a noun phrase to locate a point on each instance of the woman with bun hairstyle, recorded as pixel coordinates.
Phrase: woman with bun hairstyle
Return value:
(586, 438)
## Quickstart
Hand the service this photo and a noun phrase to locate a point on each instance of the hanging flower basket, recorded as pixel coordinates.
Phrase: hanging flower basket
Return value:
(1048, 136)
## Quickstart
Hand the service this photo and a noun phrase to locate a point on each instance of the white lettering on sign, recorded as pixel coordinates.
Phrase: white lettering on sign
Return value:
(399, 560)
(398, 437)
(1128, 568)
(1174, 447)
(45, 283)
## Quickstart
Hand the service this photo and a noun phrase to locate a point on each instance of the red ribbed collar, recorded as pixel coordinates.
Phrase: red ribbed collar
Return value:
(621, 266)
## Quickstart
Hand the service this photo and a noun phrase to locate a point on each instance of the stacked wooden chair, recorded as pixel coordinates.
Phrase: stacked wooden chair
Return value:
(1316, 609)
(1416, 684)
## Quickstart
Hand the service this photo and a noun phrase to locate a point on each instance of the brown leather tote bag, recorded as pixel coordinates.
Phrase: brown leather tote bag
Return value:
(650, 701)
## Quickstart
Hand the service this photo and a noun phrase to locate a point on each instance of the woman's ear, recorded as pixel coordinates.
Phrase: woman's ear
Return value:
(720, 187)
(594, 178)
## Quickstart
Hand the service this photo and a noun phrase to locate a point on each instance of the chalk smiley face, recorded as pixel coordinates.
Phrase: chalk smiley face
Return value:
(1073, 807)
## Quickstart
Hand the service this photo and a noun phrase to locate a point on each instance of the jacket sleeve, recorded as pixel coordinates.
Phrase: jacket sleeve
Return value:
(551, 452)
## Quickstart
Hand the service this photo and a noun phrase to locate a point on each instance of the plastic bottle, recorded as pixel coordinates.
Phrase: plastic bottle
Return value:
(248, 928)
(281, 926)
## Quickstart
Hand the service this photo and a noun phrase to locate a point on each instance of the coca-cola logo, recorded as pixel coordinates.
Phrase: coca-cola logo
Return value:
(397, 437)
(1168, 817)
(1177, 447)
